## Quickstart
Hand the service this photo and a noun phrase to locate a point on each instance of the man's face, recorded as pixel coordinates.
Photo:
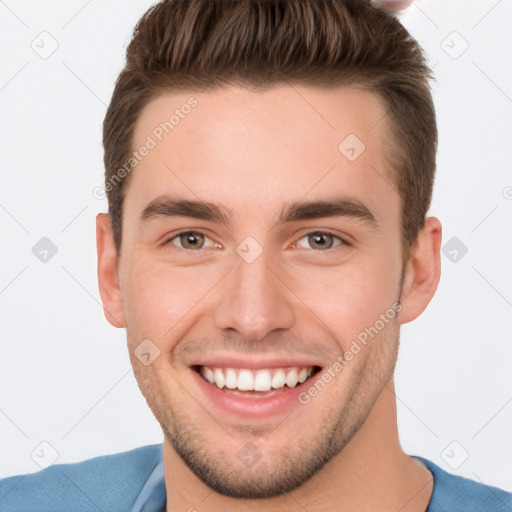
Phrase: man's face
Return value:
(272, 288)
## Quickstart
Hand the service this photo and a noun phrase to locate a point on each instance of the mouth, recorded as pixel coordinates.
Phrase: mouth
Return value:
(253, 392)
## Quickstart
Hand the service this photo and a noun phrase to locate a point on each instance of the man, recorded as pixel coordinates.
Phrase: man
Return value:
(269, 168)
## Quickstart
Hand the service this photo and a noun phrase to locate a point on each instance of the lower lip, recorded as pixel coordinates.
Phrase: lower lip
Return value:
(252, 408)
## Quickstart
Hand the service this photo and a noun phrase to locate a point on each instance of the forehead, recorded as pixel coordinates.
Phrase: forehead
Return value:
(262, 149)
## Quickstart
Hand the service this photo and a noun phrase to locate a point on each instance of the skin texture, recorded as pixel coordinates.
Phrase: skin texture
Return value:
(254, 153)
(393, 6)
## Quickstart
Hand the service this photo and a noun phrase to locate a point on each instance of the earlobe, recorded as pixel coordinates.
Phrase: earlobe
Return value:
(108, 282)
(422, 272)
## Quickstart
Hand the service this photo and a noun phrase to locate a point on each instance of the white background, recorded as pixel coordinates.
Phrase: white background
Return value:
(65, 375)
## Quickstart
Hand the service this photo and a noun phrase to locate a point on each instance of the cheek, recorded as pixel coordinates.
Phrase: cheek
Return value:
(160, 299)
(349, 299)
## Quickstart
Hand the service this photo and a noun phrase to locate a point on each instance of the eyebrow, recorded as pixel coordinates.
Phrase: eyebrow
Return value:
(169, 206)
(335, 207)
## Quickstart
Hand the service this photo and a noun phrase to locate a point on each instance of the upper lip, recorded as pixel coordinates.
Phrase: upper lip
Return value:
(254, 362)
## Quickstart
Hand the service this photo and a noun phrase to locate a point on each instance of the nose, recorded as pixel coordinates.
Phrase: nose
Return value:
(255, 301)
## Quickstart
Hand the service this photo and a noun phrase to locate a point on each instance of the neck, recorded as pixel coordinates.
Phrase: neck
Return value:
(372, 472)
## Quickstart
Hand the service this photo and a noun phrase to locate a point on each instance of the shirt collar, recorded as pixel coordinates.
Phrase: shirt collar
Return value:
(152, 497)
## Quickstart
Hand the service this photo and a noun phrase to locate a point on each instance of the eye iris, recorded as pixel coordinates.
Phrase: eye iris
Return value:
(319, 239)
(191, 240)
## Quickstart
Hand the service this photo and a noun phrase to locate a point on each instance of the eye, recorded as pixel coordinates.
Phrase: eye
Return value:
(320, 241)
(190, 241)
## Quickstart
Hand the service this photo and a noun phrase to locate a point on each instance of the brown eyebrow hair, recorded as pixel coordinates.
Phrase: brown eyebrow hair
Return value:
(330, 207)
(169, 206)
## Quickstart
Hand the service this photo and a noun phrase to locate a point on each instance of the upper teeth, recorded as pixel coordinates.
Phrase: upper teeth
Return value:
(255, 380)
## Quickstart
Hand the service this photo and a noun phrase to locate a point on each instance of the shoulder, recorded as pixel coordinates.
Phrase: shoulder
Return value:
(453, 493)
(108, 482)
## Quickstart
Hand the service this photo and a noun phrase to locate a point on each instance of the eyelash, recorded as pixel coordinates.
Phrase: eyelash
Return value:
(177, 235)
(195, 232)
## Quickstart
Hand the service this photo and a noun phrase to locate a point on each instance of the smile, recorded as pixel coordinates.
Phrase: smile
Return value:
(252, 393)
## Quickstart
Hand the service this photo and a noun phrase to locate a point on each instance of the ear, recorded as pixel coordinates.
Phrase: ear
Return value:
(108, 281)
(422, 272)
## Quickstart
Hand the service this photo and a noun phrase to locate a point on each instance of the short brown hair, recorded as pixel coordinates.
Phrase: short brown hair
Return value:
(199, 45)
